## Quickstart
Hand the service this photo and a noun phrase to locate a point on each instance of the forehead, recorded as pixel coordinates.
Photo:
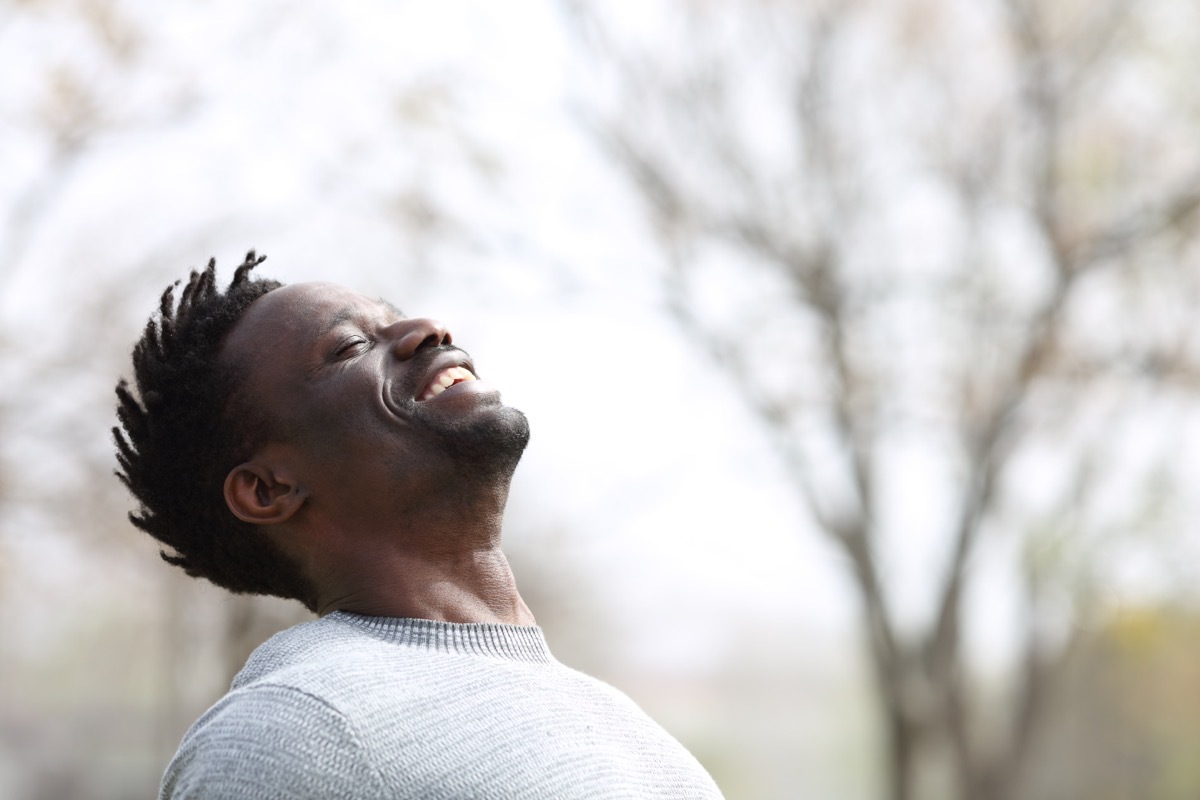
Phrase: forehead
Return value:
(293, 317)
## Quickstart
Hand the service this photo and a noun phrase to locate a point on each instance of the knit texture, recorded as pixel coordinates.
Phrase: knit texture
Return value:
(369, 707)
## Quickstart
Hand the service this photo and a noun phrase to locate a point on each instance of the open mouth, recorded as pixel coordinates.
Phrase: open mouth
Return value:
(443, 380)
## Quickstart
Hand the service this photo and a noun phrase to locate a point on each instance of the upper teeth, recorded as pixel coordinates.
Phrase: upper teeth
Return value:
(445, 379)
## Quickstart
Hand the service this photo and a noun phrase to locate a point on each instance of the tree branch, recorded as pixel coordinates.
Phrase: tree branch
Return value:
(1178, 207)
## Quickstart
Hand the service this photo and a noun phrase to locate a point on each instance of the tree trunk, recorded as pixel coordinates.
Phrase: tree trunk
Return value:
(902, 750)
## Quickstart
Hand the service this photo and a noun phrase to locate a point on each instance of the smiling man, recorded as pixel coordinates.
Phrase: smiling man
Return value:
(309, 442)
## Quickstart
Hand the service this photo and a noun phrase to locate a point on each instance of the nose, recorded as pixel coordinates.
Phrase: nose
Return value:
(410, 335)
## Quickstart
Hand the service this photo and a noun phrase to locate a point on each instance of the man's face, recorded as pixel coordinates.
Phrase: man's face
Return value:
(368, 402)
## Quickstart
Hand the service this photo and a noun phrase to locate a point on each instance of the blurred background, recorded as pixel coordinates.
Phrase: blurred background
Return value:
(857, 340)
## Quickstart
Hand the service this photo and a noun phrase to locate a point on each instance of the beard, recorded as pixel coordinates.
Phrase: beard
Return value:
(486, 447)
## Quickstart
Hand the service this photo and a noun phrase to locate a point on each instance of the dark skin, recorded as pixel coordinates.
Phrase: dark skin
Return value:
(388, 495)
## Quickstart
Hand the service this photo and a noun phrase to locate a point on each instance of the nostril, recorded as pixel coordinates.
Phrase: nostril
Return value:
(417, 334)
(435, 339)
(437, 333)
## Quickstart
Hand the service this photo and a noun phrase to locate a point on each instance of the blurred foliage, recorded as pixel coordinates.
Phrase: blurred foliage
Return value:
(902, 231)
(1124, 726)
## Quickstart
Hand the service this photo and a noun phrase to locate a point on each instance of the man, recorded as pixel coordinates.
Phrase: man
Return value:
(309, 442)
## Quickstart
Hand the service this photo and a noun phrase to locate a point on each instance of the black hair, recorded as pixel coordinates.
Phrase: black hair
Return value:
(177, 444)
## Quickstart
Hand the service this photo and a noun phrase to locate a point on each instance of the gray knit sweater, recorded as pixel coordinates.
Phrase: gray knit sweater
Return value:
(370, 707)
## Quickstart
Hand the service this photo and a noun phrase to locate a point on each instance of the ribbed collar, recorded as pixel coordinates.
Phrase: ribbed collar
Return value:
(508, 642)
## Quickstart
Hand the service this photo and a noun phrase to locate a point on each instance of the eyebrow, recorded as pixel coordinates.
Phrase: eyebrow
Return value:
(348, 313)
(344, 314)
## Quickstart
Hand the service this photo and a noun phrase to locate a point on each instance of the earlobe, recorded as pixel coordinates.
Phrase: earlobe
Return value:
(256, 494)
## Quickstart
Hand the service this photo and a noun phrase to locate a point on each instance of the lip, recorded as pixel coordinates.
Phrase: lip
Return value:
(446, 360)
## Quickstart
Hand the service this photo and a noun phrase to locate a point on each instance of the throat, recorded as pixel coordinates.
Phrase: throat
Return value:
(472, 587)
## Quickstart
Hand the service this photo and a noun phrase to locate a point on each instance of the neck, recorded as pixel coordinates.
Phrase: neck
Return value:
(477, 586)
(439, 559)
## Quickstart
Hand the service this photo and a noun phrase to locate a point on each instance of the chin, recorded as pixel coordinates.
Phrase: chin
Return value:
(490, 444)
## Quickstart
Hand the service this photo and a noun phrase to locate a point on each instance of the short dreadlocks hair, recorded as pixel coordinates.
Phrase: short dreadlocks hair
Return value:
(177, 444)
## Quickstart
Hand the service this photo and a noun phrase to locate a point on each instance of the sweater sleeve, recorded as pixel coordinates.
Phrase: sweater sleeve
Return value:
(271, 742)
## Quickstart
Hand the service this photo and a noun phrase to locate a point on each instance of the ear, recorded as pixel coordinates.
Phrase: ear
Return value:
(255, 493)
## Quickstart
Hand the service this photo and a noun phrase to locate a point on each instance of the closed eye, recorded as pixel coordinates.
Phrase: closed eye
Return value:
(350, 347)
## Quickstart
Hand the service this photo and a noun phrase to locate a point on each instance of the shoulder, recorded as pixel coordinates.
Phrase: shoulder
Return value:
(306, 644)
(272, 741)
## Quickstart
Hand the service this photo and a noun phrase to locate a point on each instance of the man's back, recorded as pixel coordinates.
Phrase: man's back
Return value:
(355, 706)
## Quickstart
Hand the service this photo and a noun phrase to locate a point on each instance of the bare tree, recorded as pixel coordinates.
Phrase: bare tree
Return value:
(947, 256)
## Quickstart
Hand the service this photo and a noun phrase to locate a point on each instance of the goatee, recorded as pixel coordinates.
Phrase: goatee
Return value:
(489, 446)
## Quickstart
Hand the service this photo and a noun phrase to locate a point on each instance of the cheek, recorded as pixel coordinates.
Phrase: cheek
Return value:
(346, 424)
